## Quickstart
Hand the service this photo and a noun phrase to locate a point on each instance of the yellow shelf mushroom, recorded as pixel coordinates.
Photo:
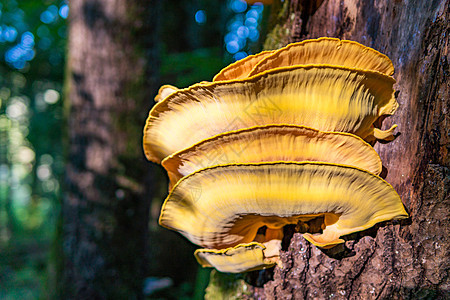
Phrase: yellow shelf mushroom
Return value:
(277, 138)
(325, 97)
(326, 51)
(241, 68)
(263, 253)
(165, 91)
(223, 206)
(273, 143)
(238, 259)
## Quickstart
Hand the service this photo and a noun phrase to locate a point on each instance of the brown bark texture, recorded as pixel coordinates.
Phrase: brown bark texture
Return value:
(393, 261)
(112, 63)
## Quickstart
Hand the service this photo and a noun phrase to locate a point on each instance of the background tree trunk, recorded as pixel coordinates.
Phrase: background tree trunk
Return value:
(407, 261)
(111, 82)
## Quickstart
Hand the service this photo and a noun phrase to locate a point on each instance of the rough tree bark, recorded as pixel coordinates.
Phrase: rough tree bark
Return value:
(398, 261)
(111, 80)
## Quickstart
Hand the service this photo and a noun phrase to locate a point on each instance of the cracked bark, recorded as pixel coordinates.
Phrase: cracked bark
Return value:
(392, 261)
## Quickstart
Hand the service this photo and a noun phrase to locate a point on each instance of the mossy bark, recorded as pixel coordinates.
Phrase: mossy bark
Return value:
(112, 72)
(392, 261)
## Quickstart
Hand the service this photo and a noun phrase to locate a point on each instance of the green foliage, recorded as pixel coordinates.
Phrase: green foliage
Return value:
(277, 37)
(31, 63)
(226, 286)
(186, 68)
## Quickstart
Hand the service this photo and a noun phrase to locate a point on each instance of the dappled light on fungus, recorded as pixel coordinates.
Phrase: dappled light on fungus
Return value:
(241, 68)
(273, 143)
(327, 51)
(325, 97)
(278, 138)
(249, 196)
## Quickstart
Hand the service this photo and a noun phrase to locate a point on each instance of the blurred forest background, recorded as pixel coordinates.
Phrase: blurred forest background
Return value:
(195, 40)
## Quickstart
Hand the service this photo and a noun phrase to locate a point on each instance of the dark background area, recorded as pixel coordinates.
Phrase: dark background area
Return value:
(197, 38)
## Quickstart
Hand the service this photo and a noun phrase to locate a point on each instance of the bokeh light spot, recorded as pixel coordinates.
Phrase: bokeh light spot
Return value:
(259, 7)
(242, 32)
(238, 6)
(240, 55)
(50, 15)
(232, 47)
(43, 172)
(21, 53)
(51, 96)
(27, 39)
(252, 13)
(251, 22)
(25, 155)
(64, 11)
(7, 33)
(16, 109)
(243, 28)
(200, 17)
(46, 159)
(230, 37)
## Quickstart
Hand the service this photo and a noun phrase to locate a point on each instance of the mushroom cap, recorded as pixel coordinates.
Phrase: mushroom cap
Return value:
(238, 259)
(325, 97)
(223, 206)
(241, 68)
(273, 143)
(327, 50)
(165, 91)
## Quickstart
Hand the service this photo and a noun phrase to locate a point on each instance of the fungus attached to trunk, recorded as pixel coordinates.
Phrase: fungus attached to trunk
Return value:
(273, 143)
(263, 253)
(277, 138)
(324, 97)
(238, 259)
(224, 206)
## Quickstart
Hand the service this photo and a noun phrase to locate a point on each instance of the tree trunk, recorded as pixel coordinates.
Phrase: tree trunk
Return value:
(111, 81)
(398, 261)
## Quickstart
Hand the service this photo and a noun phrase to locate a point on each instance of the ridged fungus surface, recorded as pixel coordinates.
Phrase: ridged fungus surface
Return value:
(273, 143)
(280, 137)
(326, 51)
(225, 205)
(324, 97)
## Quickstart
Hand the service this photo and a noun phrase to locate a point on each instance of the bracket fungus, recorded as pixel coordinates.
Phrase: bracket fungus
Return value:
(278, 138)
(241, 68)
(165, 91)
(242, 258)
(273, 143)
(249, 196)
(325, 97)
(326, 51)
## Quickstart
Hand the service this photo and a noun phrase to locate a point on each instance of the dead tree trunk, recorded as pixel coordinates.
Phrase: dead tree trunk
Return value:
(408, 261)
(111, 81)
